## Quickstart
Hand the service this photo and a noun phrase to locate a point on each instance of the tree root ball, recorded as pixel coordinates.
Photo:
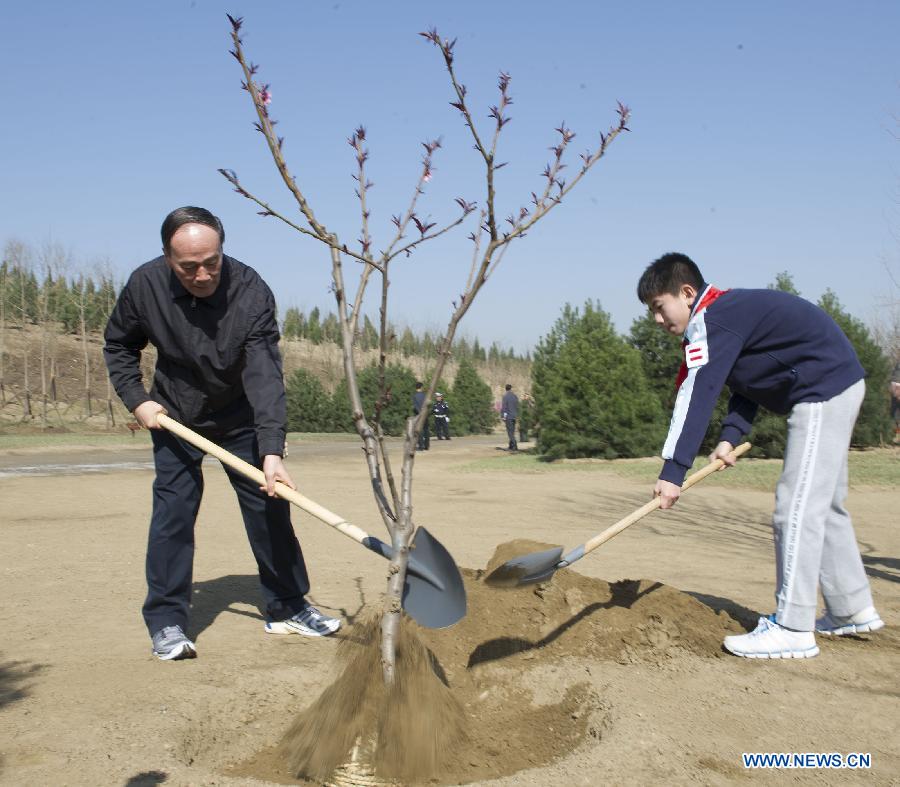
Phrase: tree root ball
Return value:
(404, 731)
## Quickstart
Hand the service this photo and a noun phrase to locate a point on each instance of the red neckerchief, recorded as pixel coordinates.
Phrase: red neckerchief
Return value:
(711, 294)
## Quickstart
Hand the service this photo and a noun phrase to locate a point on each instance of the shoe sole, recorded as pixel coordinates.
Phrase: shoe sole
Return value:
(853, 628)
(290, 627)
(184, 651)
(785, 654)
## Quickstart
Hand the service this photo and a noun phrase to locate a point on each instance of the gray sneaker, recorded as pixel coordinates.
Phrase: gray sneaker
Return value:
(308, 621)
(171, 644)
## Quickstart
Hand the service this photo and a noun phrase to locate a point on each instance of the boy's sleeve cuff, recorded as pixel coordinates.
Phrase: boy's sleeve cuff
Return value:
(673, 472)
(731, 434)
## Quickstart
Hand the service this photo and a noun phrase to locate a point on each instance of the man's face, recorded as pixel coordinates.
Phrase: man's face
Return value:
(195, 257)
(672, 312)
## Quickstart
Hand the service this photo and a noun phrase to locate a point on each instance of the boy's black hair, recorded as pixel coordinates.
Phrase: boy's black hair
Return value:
(418, 385)
(189, 215)
(667, 275)
(508, 387)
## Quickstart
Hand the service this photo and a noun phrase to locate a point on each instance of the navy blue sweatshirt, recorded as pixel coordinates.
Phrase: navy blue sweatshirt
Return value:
(771, 348)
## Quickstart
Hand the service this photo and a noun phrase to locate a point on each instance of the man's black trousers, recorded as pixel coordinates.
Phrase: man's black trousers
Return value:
(170, 550)
(511, 433)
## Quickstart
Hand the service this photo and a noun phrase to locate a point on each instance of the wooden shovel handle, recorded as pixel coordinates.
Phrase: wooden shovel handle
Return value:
(618, 527)
(257, 475)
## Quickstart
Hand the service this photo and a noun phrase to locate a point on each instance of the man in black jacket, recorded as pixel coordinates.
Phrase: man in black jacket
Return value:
(218, 370)
(418, 402)
(509, 412)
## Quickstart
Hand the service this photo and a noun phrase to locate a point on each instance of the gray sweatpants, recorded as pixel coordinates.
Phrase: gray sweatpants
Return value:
(815, 545)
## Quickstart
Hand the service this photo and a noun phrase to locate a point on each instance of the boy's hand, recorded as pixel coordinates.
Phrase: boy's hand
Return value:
(723, 452)
(667, 492)
(274, 470)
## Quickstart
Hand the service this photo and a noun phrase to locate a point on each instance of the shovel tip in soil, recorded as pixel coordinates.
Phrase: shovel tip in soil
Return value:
(509, 568)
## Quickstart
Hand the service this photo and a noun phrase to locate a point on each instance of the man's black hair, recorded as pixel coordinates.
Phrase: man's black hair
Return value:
(189, 215)
(508, 387)
(667, 275)
(418, 385)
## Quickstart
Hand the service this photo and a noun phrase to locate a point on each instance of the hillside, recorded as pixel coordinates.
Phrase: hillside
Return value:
(61, 375)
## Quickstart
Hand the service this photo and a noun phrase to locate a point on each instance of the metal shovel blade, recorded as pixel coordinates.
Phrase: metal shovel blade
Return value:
(426, 602)
(526, 569)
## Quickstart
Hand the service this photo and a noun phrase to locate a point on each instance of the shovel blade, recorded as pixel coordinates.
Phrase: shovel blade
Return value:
(434, 605)
(526, 569)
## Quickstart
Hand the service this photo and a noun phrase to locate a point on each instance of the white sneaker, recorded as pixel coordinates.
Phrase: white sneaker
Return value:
(864, 621)
(770, 641)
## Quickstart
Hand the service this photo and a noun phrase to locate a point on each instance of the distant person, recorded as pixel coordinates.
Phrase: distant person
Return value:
(441, 412)
(418, 403)
(895, 399)
(509, 412)
(776, 350)
(218, 370)
(526, 417)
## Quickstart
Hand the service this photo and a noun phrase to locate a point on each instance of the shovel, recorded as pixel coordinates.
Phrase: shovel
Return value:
(434, 595)
(538, 566)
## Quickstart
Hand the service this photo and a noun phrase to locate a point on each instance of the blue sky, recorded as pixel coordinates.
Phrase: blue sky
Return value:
(764, 139)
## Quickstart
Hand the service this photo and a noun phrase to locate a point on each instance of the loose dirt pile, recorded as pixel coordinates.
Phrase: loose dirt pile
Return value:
(478, 701)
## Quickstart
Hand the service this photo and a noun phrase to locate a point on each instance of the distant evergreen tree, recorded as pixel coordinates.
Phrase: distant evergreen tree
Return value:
(331, 330)
(471, 403)
(400, 384)
(874, 425)
(661, 356)
(784, 282)
(309, 406)
(408, 343)
(293, 324)
(314, 326)
(478, 352)
(592, 398)
(369, 335)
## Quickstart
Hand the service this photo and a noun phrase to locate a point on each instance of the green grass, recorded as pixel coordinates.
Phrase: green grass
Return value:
(52, 439)
(322, 437)
(878, 467)
(13, 438)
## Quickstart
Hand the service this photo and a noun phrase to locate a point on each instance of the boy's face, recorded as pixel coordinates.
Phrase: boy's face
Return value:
(672, 312)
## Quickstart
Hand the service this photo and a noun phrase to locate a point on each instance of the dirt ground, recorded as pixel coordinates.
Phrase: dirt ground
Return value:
(611, 673)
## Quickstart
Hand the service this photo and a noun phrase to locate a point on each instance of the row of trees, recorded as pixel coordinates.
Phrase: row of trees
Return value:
(312, 409)
(321, 330)
(35, 290)
(42, 291)
(604, 395)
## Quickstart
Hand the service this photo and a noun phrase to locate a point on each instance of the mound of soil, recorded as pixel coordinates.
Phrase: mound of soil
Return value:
(478, 700)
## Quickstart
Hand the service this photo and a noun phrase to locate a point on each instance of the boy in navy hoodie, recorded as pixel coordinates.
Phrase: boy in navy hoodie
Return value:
(786, 354)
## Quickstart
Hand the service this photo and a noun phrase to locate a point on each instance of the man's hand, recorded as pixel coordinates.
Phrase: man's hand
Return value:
(723, 452)
(667, 492)
(145, 414)
(274, 470)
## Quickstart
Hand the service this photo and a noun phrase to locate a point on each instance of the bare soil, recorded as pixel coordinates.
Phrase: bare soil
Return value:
(613, 671)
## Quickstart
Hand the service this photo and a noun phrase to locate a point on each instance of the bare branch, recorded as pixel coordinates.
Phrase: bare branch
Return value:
(261, 99)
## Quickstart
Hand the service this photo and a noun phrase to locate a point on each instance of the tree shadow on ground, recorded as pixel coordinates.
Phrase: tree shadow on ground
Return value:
(892, 564)
(215, 596)
(147, 779)
(15, 677)
(624, 594)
